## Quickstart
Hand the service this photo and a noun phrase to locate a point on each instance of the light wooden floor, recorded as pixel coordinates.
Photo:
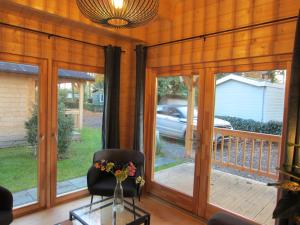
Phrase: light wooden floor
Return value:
(243, 196)
(161, 214)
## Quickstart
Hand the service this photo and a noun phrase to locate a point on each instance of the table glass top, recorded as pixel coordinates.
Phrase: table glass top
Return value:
(101, 213)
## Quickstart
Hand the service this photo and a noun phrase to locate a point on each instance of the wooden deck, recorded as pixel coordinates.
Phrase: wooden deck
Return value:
(246, 197)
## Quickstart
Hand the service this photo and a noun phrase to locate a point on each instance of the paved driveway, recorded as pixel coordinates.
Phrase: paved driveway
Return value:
(92, 119)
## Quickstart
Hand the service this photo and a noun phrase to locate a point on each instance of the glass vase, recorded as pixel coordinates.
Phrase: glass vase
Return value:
(118, 205)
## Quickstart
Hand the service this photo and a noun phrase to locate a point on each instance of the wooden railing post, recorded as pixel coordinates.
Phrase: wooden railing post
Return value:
(252, 154)
(244, 151)
(229, 148)
(222, 148)
(236, 150)
(260, 154)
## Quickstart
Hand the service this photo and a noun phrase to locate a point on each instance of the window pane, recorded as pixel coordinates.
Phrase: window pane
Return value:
(176, 125)
(246, 142)
(19, 122)
(80, 107)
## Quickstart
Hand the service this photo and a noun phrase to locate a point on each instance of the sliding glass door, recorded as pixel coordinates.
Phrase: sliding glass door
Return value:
(22, 133)
(80, 98)
(175, 138)
(176, 123)
(213, 142)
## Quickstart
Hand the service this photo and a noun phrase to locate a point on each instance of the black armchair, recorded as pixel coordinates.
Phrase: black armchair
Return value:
(6, 206)
(103, 184)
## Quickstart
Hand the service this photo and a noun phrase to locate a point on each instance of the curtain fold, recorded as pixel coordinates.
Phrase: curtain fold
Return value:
(141, 55)
(292, 152)
(293, 120)
(110, 120)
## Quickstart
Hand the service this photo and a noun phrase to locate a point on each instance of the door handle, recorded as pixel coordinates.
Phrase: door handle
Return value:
(42, 137)
(54, 135)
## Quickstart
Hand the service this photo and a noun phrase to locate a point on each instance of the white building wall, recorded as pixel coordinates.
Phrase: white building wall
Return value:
(237, 99)
(273, 104)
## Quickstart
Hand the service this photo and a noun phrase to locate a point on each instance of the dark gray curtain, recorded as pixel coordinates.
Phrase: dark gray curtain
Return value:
(292, 152)
(110, 121)
(141, 55)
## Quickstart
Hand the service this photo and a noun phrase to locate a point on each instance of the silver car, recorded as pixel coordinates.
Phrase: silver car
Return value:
(171, 121)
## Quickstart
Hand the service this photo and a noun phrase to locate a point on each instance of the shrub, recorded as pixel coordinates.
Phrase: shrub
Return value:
(158, 143)
(31, 129)
(93, 108)
(65, 128)
(271, 127)
(72, 104)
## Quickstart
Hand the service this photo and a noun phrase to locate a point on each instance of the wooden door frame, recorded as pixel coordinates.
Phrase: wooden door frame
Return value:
(42, 103)
(201, 206)
(54, 200)
(173, 196)
(208, 209)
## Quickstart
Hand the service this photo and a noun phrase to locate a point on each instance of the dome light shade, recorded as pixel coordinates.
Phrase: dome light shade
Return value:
(119, 13)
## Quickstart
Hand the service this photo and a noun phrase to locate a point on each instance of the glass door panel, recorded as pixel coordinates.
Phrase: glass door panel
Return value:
(19, 131)
(80, 107)
(246, 142)
(176, 125)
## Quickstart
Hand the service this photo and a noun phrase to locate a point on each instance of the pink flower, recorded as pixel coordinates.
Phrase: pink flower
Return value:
(131, 169)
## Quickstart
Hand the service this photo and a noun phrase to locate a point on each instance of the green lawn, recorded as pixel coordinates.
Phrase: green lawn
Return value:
(81, 155)
(18, 168)
(169, 165)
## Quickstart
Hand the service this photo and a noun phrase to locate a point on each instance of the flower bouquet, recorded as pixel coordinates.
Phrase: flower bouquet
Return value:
(121, 172)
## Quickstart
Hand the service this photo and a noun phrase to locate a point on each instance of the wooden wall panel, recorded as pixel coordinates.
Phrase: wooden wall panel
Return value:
(193, 17)
(257, 42)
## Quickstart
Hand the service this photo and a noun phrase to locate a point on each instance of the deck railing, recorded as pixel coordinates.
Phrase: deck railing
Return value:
(255, 153)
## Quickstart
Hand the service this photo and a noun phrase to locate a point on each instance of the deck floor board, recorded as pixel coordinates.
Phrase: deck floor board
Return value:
(249, 198)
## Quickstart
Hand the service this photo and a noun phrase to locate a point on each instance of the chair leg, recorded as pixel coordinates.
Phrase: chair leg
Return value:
(91, 202)
(133, 203)
(92, 199)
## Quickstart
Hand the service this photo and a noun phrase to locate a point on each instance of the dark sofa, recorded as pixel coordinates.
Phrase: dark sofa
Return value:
(6, 206)
(224, 218)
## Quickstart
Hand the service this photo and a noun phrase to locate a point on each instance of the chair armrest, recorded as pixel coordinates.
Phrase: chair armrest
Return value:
(6, 197)
(93, 176)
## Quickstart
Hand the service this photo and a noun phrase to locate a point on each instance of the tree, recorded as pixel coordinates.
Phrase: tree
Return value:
(65, 129)
(271, 76)
(171, 87)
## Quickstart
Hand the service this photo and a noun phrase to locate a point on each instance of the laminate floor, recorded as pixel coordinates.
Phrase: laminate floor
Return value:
(161, 214)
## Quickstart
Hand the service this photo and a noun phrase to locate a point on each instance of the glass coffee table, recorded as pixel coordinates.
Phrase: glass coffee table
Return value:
(101, 213)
